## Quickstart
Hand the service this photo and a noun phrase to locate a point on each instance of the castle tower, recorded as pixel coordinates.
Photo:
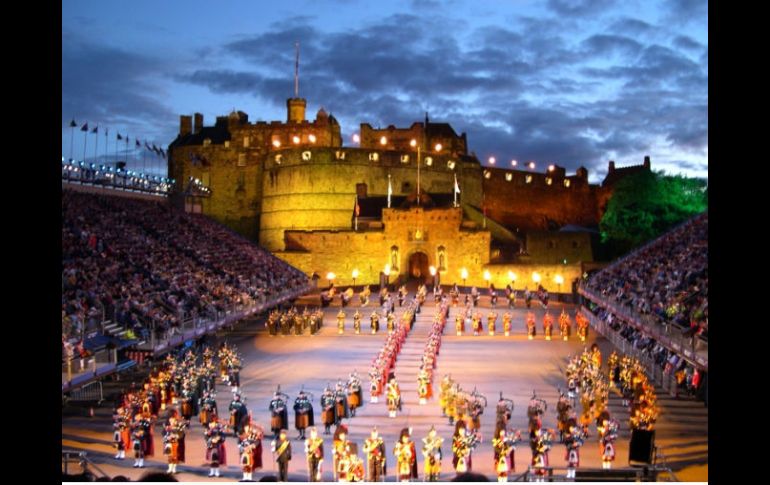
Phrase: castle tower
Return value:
(295, 109)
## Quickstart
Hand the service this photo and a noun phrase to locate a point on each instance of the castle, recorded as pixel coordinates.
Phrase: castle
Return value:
(326, 208)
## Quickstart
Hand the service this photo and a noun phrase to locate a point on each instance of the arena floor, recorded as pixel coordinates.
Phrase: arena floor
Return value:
(514, 365)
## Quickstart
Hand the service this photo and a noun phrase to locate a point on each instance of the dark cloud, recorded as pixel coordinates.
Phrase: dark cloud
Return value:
(393, 70)
(687, 43)
(579, 8)
(686, 11)
(606, 45)
(90, 90)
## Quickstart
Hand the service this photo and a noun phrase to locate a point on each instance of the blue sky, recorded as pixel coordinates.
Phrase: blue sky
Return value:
(571, 82)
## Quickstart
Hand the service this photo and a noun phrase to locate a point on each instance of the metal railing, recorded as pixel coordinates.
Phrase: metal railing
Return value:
(90, 392)
(105, 176)
(667, 334)
(79, 458)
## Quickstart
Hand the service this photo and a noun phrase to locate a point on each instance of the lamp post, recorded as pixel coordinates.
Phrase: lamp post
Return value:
(355, 275)
(330, 276)
(512, 277)
(536, 278)
(386, 272)
(559, 280)
(464, 275)
(487, 277)
(433, 276)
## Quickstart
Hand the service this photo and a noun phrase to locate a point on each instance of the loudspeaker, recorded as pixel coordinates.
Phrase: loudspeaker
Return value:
(642, 446)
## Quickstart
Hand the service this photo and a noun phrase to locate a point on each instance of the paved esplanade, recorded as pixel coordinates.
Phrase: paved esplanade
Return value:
(514, 365)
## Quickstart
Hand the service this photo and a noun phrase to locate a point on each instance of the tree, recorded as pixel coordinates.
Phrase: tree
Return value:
(646, 204)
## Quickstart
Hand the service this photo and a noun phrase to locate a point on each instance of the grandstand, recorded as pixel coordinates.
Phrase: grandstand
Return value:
(140, 275)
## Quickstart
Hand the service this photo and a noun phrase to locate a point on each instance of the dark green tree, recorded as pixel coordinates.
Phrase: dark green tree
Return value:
(645, 205)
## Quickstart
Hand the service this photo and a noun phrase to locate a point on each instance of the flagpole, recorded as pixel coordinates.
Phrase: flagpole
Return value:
(455, 190)
(96, 147)
(106, 143)
(72, 138)
(85, 142)
(418, 174)
(390, 190)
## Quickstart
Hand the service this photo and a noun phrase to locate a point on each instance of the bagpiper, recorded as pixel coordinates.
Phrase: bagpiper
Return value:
(527, 297)
(173, 442)
(573, 440)
(340, 448)
(424, 386)
(564, 325)
(374, 322)
(279, 418)
(511, 293)
(314, 451)
(393, 397)
(476, 323)
(531, 331)
(462, 447)
(208, 407)
(547, 325)
(374, 448)
(502, 446)
(364, 295)
(492, 295)
(341, 322)
(540, 442)
(327, 409)
(341, 410)
(503, 411)
(303, 413)
(405, 458)
(402, 292)
(357, 322)
(238, 414)
(491, 320)
(121, 428)
(431, 452)
(250, 447)
(608, 433)
(216, 453)
(459, 324)
(355, 394)
(391, 322)
(281, 449)
(142, 440)
(507, 323)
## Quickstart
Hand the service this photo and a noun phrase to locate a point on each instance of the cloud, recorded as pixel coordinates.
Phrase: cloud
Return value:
(631, 27)
(579, 8)
(686, 11)
(687, 43)
(605, 45)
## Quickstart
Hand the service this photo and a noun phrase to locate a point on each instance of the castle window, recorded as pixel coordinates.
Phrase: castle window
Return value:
(306, 155)
(278, 158)
(206, 142)
(227, 143)
(450, 164)
(374, 156)
(508, 177)
(241, 159)
(548, 180)
(394, 259)
(406, 188)
(528, 179)
(404, 158)
(487, 174)
(566, 182)
(339, 155)
(245, 142)
(429, 161)
(441, 258)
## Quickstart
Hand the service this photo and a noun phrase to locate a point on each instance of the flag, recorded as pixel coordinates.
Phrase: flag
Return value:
(457, 186)
(162, 153)
(96, 129)
(138, 145)
(84, 127)
(358, 207)
(155, 149)
(390, 189)
(73, 124)
(119, 137)
(147, 146)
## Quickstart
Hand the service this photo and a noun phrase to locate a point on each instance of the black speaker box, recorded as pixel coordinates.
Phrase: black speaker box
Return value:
(642, 446)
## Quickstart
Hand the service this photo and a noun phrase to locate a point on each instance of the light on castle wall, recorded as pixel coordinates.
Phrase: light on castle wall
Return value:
(450, 164)
(514, 163)
(311, 138)
(531, 165)
(512, 277)
(487, 275)
(355, 275)
(386, 270)
(438, 147)
(412, 143)
(277, 143)
(295, 139)
(492, 160)
(356, 138)
(536, 277)
(551, 167)
(559, 280)
(383, 141)
(432, 270)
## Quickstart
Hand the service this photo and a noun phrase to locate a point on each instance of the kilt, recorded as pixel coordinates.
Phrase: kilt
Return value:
(301, 421)
(327, 416)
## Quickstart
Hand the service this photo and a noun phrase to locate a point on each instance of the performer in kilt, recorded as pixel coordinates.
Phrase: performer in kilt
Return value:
(462, 447)
(502, 446)
(279, 415)
(208, 407)
(608, 433)
(250, 447)
(142, 439)
(507, 323)
(341, 410)
(216, 453)
(374, 322)
(491, 320)
(281, 449)
(531, 331)
(173, 442)
(431, 451)
(354, 392)
(547, 325)
(238, 414)
(374, 448)
(314, 452)
(121, 432)
(340, 448)
(573, 440)
(341, 322)
(357, 322)
(565, 325)
(405, 458)
(328, 417)
(394, 397)
(303, 413)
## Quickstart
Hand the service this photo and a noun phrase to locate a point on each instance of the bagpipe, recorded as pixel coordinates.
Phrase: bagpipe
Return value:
(504, 408)
(537, 407)
(477, 399)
